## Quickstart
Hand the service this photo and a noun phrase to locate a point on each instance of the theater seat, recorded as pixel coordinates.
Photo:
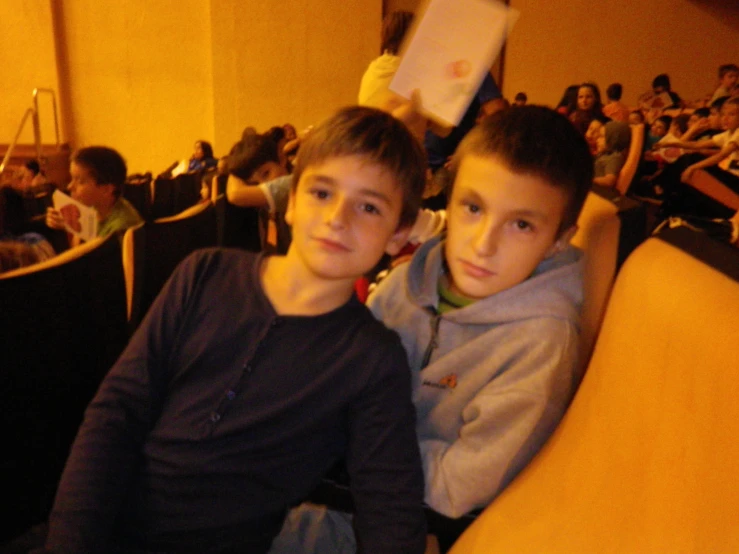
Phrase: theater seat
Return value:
(609, 228)
(706, 183)
(645, 459)
(152, 250)
(63, 325)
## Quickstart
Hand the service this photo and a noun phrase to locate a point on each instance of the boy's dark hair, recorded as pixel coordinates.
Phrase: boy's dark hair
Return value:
(207, 148)
(702, 112)
(639, 113)
(614, 91)
(33, 166)
(105, 165)
(394, 27)
(734, 101)
(718, 103)
(726, 68)
(250, 153)
(666, 120)
(536, 140)
(681, 121)
(376, 136)
(661, 81)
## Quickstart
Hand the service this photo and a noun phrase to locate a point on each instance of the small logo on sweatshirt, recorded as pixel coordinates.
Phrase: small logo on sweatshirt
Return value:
(448, 382)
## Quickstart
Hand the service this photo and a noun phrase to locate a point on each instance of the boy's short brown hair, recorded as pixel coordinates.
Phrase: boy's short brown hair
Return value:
(381, 139)
(105, 165)
(539, 141)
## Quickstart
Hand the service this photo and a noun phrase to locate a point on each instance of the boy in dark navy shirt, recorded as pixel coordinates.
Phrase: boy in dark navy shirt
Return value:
(252, 375)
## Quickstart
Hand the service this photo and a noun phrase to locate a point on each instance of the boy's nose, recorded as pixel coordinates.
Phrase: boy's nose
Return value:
(337, 215)
(486, 242)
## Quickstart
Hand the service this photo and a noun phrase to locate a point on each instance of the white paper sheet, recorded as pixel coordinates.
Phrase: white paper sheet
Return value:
(79, 219)
(451, 49)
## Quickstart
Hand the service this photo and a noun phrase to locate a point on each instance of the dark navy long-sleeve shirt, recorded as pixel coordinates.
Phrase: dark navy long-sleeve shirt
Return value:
(221, 414)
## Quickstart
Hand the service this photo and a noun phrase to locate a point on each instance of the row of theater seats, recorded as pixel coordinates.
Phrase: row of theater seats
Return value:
(65, 321)
(164, 196)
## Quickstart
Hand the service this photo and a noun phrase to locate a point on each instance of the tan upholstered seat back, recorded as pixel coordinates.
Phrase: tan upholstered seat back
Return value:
(645, 460)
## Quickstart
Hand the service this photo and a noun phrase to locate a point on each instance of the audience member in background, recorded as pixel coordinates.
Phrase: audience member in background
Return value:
(593, 136)
(657, 130)
(589, 107)
(636, 117)
(202, 158)
(615, 109)
(19, 248)
(613, 146)
(373, 89)
(30, 180)
(568, 103)
(727, 76)
(660, 84)
(98, 177)
(251, 376)
(258, 179)
(520, 99)
(674, 181)
(700, 125)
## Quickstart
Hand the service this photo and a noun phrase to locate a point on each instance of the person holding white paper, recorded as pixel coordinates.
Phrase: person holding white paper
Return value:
(98, 177)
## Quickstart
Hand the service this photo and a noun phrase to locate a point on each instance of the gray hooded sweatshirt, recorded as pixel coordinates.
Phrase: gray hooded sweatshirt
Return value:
(491, 380)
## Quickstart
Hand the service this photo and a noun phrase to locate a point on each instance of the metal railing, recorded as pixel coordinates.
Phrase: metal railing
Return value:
(33, 112)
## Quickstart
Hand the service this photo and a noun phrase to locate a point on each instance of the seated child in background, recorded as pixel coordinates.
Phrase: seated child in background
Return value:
(613, 147)
(636, 117)
(98, 178)
(258, 177)
(615, 109)
(665, 151)
(252, 375)
(657, 130)
(593, 135)
(520, 99)
(727, 76)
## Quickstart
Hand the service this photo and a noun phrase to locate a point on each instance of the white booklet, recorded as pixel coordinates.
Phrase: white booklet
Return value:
(452, 46)
(80, 220)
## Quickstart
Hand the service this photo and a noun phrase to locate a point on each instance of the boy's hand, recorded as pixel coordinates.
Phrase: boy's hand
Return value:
(409, 112)
(54, 219)
(687, 174)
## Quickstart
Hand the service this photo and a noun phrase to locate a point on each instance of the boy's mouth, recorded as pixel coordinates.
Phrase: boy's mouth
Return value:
(475, 271)
(332, 245)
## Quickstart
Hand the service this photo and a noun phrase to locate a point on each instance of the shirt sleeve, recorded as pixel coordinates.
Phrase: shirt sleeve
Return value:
(107, 450)
(503, 427)
(277, 192)
(384, 464)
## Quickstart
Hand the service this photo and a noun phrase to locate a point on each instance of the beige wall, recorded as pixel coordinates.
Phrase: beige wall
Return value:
(288, 61)
(139, 77)
(27, 61)
(555, 44)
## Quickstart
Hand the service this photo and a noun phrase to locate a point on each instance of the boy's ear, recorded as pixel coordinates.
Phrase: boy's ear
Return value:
(563, 241)
(398, 240)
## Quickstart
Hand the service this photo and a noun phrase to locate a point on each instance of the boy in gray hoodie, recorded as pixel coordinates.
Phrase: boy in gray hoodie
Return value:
(489, 313)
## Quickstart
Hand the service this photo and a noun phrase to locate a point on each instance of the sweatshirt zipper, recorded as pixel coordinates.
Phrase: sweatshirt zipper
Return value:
(433, 342)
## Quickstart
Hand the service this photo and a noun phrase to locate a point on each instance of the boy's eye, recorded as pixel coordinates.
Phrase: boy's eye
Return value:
(522, 225)
(370, 209)
(471, 207)
(321, 194)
